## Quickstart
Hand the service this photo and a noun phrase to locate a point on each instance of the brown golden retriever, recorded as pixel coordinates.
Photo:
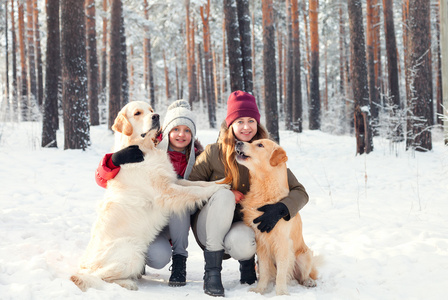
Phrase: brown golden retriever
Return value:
(282, 253)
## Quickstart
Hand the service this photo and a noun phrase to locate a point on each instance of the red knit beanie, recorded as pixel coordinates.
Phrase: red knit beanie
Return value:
(241, 104)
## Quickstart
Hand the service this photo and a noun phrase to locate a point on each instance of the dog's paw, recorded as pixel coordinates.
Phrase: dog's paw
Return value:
(258, 289)
(309, 282)
(225, 186)
(127, 284)
(281, 290)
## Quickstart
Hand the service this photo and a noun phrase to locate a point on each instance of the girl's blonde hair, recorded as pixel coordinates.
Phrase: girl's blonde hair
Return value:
(228, 140)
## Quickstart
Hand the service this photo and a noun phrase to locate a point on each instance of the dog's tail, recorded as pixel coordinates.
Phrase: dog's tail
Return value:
(86, 281)
(306, 267)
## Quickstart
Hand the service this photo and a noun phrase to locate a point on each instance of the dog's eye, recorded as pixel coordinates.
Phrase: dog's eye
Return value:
(137, 113)
(260, 145)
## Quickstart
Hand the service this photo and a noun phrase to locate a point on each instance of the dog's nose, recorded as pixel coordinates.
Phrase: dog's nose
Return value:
(155, 117)
(239, 143)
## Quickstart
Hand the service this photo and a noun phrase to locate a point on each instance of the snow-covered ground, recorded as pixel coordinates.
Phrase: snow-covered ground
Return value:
(379, 220)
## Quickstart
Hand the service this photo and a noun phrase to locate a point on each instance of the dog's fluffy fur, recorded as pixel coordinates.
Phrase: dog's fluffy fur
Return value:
(137, 204)
(282, 253)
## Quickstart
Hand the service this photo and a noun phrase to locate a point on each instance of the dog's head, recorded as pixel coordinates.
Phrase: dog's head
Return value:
(136, 122)
(260, 155)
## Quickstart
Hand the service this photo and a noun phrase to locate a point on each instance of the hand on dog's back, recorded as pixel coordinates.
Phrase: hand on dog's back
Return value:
(131, 154)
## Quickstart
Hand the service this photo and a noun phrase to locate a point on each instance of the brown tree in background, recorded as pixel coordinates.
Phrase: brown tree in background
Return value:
(124, 65)
(314, 109)
(246, 49)
(371, 38)
(190, 57)
(7, 103)
(104, 56)
(233, 46)
(24, 104)
(31, 54)
(50, 122)
(148, 72)
(115, 62)
(297, 81)
(392, 63)
(364, 141)
(74, 75)
(208, 66)
(289, 69)
(270, 78)
(92, 63)
(444, 57)
(420, 104)
(40, 83)
(15, 103)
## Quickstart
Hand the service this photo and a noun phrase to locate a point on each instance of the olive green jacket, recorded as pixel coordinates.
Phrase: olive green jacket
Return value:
(209, 167)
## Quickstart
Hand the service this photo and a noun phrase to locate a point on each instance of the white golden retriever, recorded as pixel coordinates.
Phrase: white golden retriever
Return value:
(137, 204)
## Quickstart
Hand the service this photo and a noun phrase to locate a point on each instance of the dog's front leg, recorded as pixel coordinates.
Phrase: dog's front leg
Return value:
(284, 259)
(266, 269)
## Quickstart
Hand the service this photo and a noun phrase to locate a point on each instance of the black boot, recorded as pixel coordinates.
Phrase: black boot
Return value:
(247, 270)
(178, 271)
(212, 277)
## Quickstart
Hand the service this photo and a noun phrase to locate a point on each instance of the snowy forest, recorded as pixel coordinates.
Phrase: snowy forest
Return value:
(363, 68)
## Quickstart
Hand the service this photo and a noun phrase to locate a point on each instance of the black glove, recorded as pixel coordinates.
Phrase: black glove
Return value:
(272, 213)
(131, 154)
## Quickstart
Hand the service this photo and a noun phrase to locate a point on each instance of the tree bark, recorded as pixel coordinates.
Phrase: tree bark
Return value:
(233, 46)
(74, 76)
(32, 83)
(444, 50)
(92, 63)
(245, 37)
(115, 62)
(50, 121)
(24, 103)
(40, 84)
(289, 64)
(420, 104)
(270, 79)
(15, 101)
(297, 81)
(314, 109)
(364, 142)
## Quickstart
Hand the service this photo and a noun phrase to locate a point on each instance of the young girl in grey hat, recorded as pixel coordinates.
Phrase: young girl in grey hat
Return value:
(178, 139)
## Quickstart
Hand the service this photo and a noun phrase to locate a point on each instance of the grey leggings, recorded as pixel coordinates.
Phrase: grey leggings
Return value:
(216, 231)
(160, 250)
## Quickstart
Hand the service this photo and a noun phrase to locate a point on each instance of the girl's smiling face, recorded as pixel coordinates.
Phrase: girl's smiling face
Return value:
(180, 137)
(244, 128)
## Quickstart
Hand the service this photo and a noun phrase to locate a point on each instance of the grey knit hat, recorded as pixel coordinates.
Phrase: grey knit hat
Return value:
(179, 113)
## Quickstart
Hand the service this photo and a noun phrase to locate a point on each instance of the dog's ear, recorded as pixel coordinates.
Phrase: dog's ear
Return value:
(278, 157)
(122, 125)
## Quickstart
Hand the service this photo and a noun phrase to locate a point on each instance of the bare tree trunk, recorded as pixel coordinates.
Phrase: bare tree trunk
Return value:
(92, 63)
(50, 122)
(40, 84)
(297, 81)
(104, 56)
(420, 105)
(148, 72)
(444, 50)
(15, 101)
(289, 74)
(314, 109)
(233, 46)
(208, 66)
(392, 63)
(280, 69)
(124, 65)
(7, 103)
(341, 50)
(246, 51)
(167, 78)
(364, 141)
(439, 92)
(74, 75)
(270, 82)
(31, 55)
(115, 62)
(372, 75)
(24, 103)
